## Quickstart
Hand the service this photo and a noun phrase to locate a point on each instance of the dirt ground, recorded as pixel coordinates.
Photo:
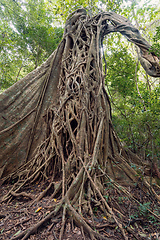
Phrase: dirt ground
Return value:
(18, 215)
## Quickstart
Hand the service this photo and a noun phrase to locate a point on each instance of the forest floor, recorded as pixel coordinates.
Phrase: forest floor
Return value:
(18, 215)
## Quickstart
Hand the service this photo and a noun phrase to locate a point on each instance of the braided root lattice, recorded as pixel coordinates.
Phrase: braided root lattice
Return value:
(81, 150)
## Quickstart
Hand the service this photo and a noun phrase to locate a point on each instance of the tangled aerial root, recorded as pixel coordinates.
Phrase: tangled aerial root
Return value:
(81, 151)
(85, 191)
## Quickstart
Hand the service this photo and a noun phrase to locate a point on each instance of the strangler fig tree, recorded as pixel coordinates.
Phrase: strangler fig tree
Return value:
(57, 122)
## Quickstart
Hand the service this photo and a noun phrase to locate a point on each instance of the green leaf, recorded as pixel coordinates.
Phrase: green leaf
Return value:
(17, 233)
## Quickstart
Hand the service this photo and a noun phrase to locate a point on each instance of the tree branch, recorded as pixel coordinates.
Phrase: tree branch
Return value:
(148, 60)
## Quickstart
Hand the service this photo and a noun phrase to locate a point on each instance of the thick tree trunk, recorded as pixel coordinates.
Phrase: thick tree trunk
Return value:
(57, 122)
(22, 110)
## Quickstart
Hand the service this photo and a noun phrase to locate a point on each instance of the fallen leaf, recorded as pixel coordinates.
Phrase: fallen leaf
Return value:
(38, 209)
(17, 233)
(142, 235)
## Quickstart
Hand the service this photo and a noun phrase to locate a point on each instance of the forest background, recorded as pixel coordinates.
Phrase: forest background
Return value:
(30, 30)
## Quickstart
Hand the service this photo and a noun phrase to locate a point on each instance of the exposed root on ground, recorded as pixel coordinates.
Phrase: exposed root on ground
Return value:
(81, 194)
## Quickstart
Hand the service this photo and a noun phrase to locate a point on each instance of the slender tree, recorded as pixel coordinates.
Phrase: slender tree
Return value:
(57, 122)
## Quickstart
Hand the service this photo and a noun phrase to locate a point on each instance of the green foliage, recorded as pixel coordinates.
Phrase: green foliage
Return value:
(135, 104)
(122, 199)
(110, 5)
(30, 31)
(143, 212)
(134, 95)
(27, 38)
(121, 72)
(156, 45)
(143, 209)
(62, 10)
